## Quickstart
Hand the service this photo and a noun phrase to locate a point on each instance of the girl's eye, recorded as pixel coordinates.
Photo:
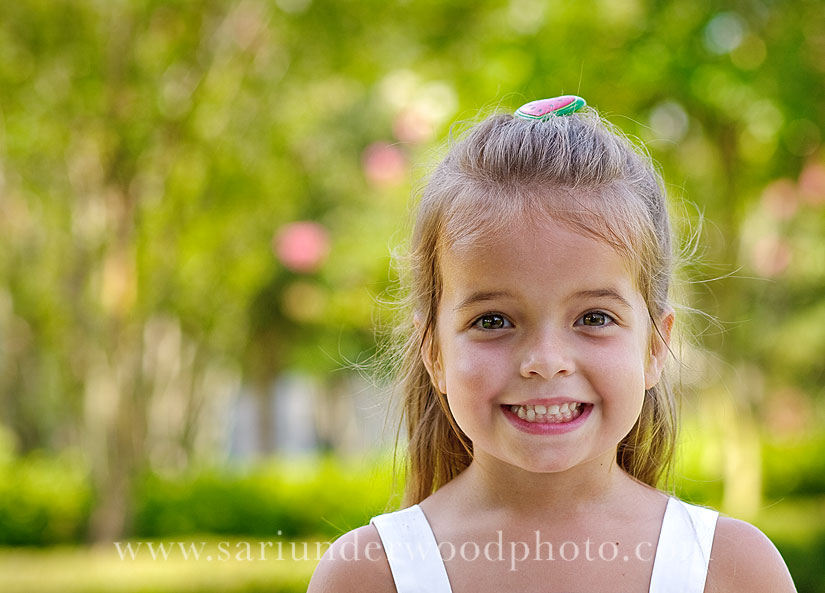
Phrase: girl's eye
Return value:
(595, 319)
(491, 321)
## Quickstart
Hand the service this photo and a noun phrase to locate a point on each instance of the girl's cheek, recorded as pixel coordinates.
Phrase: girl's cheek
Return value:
(621, 365)
(477, 365)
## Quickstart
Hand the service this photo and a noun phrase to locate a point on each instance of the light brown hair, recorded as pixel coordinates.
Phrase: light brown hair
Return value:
(578, 170)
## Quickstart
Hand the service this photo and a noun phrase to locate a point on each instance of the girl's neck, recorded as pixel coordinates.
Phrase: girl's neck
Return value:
(493, 484)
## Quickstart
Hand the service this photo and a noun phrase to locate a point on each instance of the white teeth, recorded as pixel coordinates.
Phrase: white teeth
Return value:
(548, 414)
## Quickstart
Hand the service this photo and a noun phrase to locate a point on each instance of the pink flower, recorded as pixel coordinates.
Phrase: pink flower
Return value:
(384, 164)
(771, 255)
(302, 246)
(780, 199)
(413, 126)
(812, 184)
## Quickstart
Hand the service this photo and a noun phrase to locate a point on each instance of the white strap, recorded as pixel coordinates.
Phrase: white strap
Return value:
(412, 552)
(683, 551)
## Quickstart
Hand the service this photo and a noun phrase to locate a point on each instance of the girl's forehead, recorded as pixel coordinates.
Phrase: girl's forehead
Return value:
(527, 246)
(521, 237)
(483, 219)
(537, 252)
(478, 216)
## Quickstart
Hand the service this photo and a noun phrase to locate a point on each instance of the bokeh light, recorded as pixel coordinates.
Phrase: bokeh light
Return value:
(385, 165)
(302, 246)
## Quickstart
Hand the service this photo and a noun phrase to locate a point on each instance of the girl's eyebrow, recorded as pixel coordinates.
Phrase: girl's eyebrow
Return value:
(480, 296)
(603, 293)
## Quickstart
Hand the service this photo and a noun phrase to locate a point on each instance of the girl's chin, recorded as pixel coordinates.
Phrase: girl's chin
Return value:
(551, 467)
(558, 463)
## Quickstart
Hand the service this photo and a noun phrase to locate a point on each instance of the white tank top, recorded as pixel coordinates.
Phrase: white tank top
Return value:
(680, 564)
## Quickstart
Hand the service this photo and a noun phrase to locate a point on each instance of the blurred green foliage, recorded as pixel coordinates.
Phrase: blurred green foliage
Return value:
(47, 503)
(290, 499)
(47, 500)
(44, 500)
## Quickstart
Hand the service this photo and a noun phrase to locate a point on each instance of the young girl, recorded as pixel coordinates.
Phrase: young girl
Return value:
(539, 419)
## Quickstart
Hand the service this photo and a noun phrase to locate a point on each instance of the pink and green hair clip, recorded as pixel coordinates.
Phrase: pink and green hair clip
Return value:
(544, 109)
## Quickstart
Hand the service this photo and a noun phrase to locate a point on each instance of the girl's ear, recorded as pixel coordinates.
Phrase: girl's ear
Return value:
(659, 348)
(432, 360)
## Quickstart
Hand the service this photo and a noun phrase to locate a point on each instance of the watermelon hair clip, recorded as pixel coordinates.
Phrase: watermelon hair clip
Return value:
(544, 109)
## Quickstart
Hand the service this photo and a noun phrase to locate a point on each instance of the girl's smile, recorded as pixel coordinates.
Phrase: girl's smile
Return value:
(557, 419)
(543, 346)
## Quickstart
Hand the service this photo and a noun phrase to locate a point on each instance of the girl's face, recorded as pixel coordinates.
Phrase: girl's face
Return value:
(543, 347)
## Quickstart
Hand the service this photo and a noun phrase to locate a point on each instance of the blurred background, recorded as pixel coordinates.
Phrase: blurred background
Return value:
(198, 204)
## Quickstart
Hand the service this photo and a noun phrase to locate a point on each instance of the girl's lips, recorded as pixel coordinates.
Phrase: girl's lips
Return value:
(547, 427)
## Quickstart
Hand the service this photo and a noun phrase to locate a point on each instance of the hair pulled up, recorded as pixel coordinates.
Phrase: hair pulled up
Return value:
(577, 170)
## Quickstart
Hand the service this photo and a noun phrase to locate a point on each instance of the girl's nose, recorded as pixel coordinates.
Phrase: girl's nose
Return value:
(546, 355)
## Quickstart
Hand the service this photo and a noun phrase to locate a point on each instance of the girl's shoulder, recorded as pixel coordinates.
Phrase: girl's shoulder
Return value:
(744, 559)
(355, 562)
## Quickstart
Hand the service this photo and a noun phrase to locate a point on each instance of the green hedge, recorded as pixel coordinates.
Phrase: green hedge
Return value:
(47, 500)
(298, 501)
(43, 500)
(794, 468)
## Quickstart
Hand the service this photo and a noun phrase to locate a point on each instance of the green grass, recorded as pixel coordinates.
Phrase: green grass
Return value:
(102, 570)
